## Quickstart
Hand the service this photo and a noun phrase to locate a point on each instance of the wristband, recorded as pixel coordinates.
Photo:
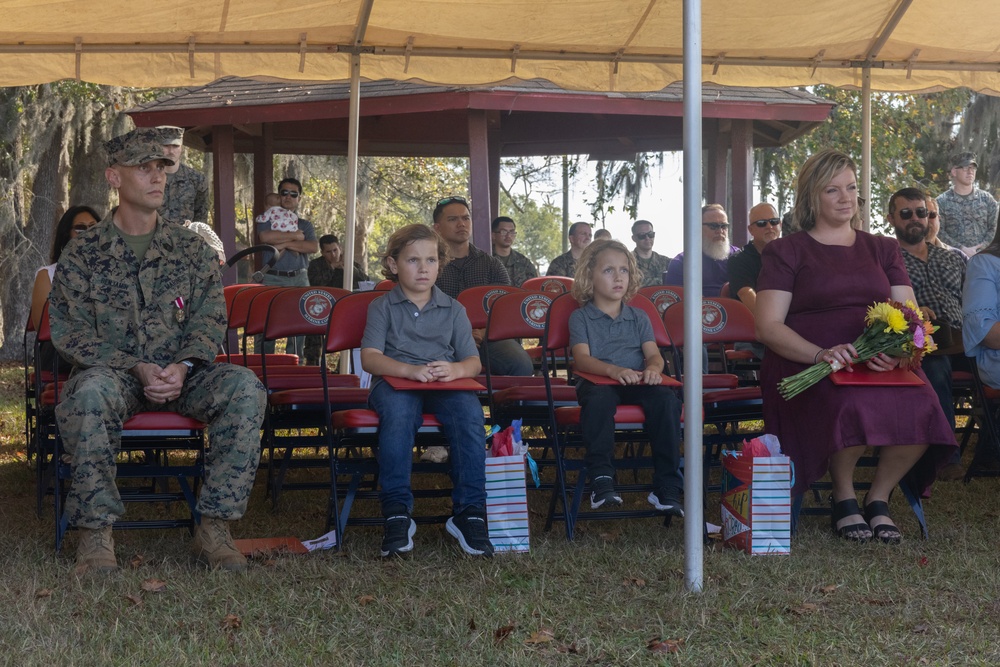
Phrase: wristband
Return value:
(816, 357)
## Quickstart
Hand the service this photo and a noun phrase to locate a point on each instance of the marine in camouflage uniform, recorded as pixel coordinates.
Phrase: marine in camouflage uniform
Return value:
(185, 196)
(111, 311)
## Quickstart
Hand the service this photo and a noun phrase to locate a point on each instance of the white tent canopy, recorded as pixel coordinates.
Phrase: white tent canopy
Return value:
(616, 45)
(909, 45)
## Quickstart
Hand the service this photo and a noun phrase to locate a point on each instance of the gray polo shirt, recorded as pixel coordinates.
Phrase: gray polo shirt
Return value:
(292, 260)
(616, 341)
(439, 332)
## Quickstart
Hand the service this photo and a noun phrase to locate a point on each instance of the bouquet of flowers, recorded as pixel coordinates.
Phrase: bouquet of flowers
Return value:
(893, 328)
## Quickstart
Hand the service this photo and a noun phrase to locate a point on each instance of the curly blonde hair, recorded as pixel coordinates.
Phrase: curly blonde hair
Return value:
(403, 237)
(583, 282)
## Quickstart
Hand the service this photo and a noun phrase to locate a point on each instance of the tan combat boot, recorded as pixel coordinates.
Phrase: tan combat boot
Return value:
(96, 551)
(213, 544)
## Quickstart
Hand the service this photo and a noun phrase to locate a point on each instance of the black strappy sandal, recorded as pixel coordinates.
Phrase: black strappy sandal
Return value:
(855, 532)
(886, 533)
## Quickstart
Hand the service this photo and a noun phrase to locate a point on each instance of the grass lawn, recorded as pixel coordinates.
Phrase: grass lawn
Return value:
(614, 596)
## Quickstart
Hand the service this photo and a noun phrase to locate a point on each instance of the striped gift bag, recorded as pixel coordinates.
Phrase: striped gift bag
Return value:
(757, 503)
(507, 503)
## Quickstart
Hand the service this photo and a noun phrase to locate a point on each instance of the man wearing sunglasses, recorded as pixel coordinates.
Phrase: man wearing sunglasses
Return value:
(715, 249)
(652, 264)
(968, 215)
(744, 266)
(185, 194)
(290, 269)
(937, 276)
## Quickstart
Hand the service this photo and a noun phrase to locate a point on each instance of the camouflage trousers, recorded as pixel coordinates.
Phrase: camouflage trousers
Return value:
(96, 402)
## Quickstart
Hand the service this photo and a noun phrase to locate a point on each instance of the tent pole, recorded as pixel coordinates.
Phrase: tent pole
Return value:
(352, 184)
(866, 147)
(694, 519)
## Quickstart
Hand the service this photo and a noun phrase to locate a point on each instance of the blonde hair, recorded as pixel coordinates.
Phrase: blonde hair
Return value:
(403, 237)
(816, 174)
(583, 281)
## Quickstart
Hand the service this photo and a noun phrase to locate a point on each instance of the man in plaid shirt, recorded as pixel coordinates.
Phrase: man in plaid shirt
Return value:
(937, 275)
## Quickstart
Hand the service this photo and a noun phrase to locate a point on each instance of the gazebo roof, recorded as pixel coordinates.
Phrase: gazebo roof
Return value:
(531, 118)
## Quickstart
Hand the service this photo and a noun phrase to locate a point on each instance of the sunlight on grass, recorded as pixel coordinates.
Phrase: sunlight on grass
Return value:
(614, 596)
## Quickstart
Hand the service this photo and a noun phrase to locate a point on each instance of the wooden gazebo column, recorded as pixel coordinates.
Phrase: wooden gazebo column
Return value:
(263, 170)
(223, 177)
(742, 185)
(479, 179)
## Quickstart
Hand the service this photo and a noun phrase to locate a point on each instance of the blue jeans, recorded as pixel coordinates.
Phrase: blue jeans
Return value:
(400, 415)
(507, 357)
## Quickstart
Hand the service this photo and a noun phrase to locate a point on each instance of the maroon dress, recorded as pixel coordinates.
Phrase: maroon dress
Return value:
(832, 288)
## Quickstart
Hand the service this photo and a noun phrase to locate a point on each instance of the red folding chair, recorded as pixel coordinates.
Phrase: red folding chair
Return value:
(565, 427)
(353, 433)
(385, 285)
(477, 302)
(553, 284)
(663, 296)
(156, 449)
(294, 407)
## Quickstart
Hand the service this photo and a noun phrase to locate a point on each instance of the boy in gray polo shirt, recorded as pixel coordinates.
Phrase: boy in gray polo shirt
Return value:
(419, 333)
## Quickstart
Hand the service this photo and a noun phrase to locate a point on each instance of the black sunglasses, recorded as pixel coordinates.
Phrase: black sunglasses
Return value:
(452, 200)
(906, 213)
(647, 235)
(289, 193)
(774, 222)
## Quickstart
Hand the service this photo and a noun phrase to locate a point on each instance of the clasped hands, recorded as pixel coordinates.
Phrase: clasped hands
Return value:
(436, 371)
(632, 376)
(844, 356)
(161, 385)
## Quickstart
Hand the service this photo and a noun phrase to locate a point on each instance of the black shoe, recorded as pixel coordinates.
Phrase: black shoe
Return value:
(397, 538)
(469, 528)
(603, 494)
(666, 502)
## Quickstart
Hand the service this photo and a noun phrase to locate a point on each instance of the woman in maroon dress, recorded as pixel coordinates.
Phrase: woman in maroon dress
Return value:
(812, 295)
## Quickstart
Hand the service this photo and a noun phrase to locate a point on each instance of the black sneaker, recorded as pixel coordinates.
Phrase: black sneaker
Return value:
(603, 494)
(469, 528)
(397, 538)
(665, 502)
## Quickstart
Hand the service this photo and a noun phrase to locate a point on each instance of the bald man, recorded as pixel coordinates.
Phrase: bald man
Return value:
(765, 226)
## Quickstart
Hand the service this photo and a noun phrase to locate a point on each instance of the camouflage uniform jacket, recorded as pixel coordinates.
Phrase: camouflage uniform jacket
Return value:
(185, 196)
(967, 220)
(519, 267)
(563, 265)
(107, 309)
(652, 268)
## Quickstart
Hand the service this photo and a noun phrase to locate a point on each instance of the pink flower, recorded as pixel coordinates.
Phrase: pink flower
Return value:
(918, 337)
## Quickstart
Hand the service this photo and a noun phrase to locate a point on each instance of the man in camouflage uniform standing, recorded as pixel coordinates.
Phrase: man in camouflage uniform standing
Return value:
(137, 306)
(968, 215)
(185, 195)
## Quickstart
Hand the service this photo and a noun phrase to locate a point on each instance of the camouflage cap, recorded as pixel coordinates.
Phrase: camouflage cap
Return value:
(172, 135)
(141, 145)
(960, 160)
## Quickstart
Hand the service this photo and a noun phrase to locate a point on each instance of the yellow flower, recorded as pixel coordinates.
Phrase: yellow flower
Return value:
(883, 312)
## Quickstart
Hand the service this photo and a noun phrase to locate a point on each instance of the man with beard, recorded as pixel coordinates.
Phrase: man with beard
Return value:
(937, 275)
(715, 249)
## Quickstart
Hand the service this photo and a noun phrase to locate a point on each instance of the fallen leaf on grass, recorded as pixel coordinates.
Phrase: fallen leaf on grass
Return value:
(879, 603)
(502, 633)
(230, 622)
(541, 636)
(570, 648)
(829, 589)
(136, 561)
(657, 645)
(154, 585)
(135, 599)
(366, 599)
(805, 608)
(634, 581)
(43, 593)
(921, 629)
